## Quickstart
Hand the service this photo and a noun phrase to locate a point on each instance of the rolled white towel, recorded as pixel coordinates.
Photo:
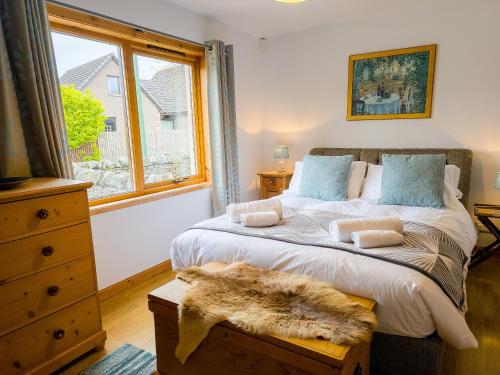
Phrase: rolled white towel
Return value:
(368, 239)
(341, 230)
(260, 219)
(234, 210)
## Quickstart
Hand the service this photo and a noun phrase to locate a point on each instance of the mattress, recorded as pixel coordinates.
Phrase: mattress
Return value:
(408, 303)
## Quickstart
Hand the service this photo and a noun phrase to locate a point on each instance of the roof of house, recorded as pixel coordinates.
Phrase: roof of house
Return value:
(168, 101)
(81, 75)
(172, 100)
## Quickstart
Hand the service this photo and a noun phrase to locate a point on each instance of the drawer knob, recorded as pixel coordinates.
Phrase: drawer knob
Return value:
(48, 251)
(42, 213)
(53, 290)
(59, 334)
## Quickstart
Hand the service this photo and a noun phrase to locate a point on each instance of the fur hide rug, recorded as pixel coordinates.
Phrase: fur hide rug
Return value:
(266, 302)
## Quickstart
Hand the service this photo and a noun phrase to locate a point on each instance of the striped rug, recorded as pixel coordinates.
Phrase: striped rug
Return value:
(126, 360)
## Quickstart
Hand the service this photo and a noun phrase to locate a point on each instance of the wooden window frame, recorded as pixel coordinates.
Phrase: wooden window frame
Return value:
(135, 40)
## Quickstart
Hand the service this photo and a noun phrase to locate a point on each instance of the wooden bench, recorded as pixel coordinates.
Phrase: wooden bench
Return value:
(229, 350)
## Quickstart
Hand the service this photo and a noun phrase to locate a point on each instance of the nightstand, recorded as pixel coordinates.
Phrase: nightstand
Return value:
(273, 183)
(485, 213)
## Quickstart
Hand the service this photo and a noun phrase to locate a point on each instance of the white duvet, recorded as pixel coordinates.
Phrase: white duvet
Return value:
(408, 303)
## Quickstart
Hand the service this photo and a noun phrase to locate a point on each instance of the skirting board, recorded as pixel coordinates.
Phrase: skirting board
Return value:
(119, 287)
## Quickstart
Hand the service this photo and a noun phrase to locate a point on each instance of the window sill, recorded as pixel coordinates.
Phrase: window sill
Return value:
(112, 206)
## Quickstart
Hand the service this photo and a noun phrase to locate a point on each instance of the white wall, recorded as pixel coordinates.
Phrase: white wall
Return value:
(130, 240)
(306, 85)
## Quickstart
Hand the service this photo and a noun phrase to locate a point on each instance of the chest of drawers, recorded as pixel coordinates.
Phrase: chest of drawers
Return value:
(48, 288)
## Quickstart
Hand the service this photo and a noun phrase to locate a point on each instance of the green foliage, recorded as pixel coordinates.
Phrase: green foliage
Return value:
(418, 79)
(95, 155)
(84, 116)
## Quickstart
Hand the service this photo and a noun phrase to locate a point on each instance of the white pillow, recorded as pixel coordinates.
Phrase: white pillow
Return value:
(452, 177)
(295, 181)
(451, 180)
(372, 189)
(356, 175)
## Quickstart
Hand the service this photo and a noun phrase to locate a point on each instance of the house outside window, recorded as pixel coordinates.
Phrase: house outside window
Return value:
(110, 124)
(113, 85)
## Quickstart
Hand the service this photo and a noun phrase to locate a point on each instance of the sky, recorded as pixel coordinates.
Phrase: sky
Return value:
(72, 51)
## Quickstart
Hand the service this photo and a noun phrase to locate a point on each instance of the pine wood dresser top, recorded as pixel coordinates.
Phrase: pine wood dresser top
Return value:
(39, 187)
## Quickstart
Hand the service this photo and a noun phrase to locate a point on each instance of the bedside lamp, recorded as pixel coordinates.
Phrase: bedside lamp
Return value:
(497, 185)
(281, 153)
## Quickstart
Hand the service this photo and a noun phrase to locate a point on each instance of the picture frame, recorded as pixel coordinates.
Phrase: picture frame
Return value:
(392, 84)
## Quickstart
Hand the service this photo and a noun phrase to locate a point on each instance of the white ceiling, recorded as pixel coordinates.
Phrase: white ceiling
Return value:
(264, 18)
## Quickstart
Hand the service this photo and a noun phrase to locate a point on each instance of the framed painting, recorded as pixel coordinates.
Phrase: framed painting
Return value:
(395, 84)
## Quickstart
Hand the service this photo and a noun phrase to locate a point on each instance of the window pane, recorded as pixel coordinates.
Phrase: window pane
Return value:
(113, 85)
(96, 122)
(165, 104)
(110, 124)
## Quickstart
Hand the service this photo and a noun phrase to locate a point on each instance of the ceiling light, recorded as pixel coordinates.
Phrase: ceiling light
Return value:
(290, 1)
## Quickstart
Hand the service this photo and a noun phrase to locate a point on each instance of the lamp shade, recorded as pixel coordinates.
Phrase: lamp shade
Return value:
(497, 184)
(280, 152)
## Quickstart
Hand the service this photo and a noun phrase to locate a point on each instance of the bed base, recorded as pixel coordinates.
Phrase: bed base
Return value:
(397, 355)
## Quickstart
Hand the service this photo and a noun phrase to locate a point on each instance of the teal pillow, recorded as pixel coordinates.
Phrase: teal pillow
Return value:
(325, 177)
(413, 180)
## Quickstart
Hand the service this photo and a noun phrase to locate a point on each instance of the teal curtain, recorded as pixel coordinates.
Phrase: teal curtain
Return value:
(33, 138)
(222, 127)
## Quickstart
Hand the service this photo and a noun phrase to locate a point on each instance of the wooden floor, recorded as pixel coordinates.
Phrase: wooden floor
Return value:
(483, 298)
(126, 318)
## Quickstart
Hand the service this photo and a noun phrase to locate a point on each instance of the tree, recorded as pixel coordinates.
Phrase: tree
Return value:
(84, 116)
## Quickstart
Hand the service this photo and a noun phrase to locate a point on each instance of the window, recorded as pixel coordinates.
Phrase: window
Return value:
(99, 152)
(167, 122)
(110, 124)
(113, 85)
(166, 92)
(141, 129)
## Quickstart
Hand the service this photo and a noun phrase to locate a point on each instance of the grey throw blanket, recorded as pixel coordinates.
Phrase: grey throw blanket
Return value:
(426, 249)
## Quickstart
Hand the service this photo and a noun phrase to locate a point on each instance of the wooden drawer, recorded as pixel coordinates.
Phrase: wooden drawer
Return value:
(273, 183)
(31, 345)
(22, 217)
(43, 250)
(34, 296)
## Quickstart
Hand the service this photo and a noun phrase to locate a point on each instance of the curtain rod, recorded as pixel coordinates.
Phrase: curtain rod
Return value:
(124, 22)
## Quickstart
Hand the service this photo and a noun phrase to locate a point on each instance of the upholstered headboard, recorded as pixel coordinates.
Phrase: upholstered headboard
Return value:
(462, 158)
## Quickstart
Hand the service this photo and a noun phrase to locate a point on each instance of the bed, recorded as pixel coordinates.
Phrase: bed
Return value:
(415, 312)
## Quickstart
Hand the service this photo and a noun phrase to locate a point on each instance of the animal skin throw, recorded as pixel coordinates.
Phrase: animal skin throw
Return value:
(266, 302)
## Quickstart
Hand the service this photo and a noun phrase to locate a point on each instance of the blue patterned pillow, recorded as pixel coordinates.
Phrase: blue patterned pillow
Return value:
(413, 180)
(325, 177)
